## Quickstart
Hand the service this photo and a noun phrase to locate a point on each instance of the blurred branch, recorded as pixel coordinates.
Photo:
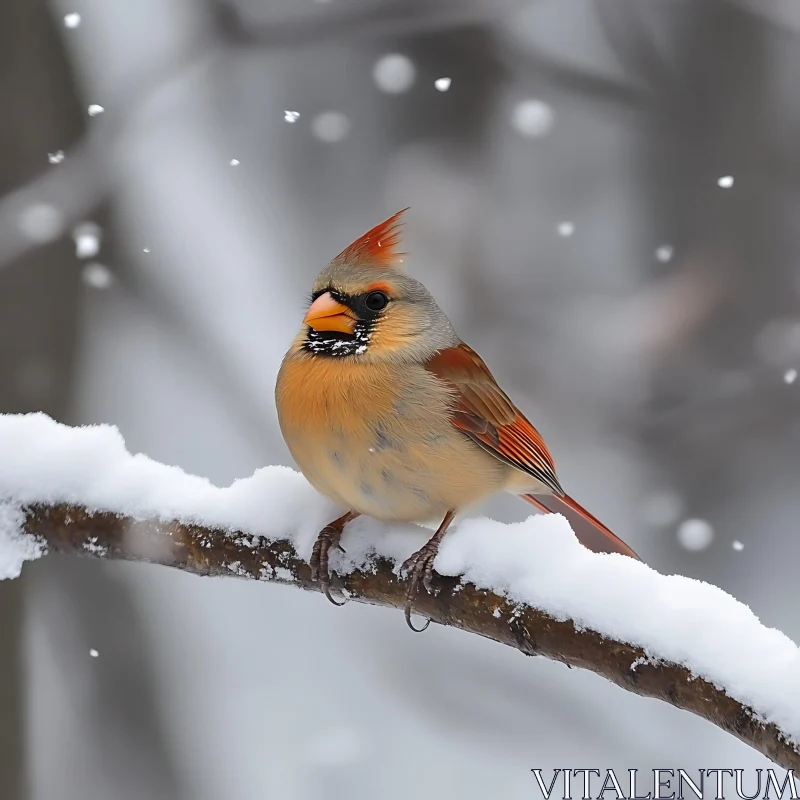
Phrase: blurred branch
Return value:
(205, 551)
(87, 177)
(588, 85)
(74, 189)
(79, 185)
(358, 19)
(368, 19)
(779, 13)
(634, 46)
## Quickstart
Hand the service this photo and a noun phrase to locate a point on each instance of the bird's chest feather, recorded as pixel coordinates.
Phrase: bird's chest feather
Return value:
(327, 400)
(369, 437)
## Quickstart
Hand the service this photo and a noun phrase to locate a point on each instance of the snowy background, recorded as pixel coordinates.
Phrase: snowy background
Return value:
(604, 199)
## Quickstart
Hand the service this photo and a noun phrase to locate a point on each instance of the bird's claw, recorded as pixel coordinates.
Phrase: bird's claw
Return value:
(328, 537)
(419, 565)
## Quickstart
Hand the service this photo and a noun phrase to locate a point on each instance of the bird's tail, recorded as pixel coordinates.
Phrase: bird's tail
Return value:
(590, 531)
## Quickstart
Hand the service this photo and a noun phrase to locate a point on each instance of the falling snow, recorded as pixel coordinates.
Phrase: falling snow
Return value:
(41, 222)
(664, 253)
(532, 118)
(330, 126)
(291, 116)
(566, 229)
(56, 158)
(72, 20)
(93, 653)
(661, 508)
(443, 84)
(790, 376)
(95, 109)
(695, 534)
(737, 545)
(87, 239)
(725, 182)
(234, 162)
(394, 73)
(97, 276)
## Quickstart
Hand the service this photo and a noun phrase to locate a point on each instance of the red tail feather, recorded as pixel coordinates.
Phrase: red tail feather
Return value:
(590, 531)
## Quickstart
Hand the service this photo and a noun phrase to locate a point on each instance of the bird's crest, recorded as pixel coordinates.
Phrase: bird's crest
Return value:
(378, 246)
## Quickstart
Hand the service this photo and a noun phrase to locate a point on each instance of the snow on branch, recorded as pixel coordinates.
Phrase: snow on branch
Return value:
(530, 585)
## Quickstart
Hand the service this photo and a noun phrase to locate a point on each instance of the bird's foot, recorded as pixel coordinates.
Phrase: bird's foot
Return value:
(328, 537)
(420, 565)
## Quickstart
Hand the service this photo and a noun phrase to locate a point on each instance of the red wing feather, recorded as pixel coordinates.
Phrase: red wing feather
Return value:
(485, 413)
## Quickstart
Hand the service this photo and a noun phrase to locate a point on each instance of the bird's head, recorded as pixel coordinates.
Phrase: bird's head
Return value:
(364, 307)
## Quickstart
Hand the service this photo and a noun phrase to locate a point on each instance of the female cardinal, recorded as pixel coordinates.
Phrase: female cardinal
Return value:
(387, 412)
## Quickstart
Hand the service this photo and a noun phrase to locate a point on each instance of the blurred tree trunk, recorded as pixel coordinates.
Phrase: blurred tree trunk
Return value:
(711, 399)
(84, 606)
(81, 604)
(38, 297)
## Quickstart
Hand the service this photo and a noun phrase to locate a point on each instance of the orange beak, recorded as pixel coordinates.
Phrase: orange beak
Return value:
(325, 314)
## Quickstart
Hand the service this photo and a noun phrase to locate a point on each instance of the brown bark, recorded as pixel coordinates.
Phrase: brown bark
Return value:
(205, 551)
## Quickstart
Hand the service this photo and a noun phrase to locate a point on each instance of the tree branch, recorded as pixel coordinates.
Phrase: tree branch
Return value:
(207, 551)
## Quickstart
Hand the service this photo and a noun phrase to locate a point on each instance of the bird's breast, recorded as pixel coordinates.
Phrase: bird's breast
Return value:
(378, 439)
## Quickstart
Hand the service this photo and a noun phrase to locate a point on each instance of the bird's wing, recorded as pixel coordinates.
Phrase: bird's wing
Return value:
(485, 413)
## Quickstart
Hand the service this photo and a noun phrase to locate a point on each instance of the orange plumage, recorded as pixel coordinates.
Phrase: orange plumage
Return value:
(387, 412)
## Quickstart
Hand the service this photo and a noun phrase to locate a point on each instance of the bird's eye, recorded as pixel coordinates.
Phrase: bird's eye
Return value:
(376, 301)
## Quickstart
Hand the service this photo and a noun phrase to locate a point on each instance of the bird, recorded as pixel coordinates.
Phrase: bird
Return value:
(388, 413)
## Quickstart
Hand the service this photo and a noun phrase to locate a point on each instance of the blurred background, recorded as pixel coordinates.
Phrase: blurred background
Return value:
(604, 198)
